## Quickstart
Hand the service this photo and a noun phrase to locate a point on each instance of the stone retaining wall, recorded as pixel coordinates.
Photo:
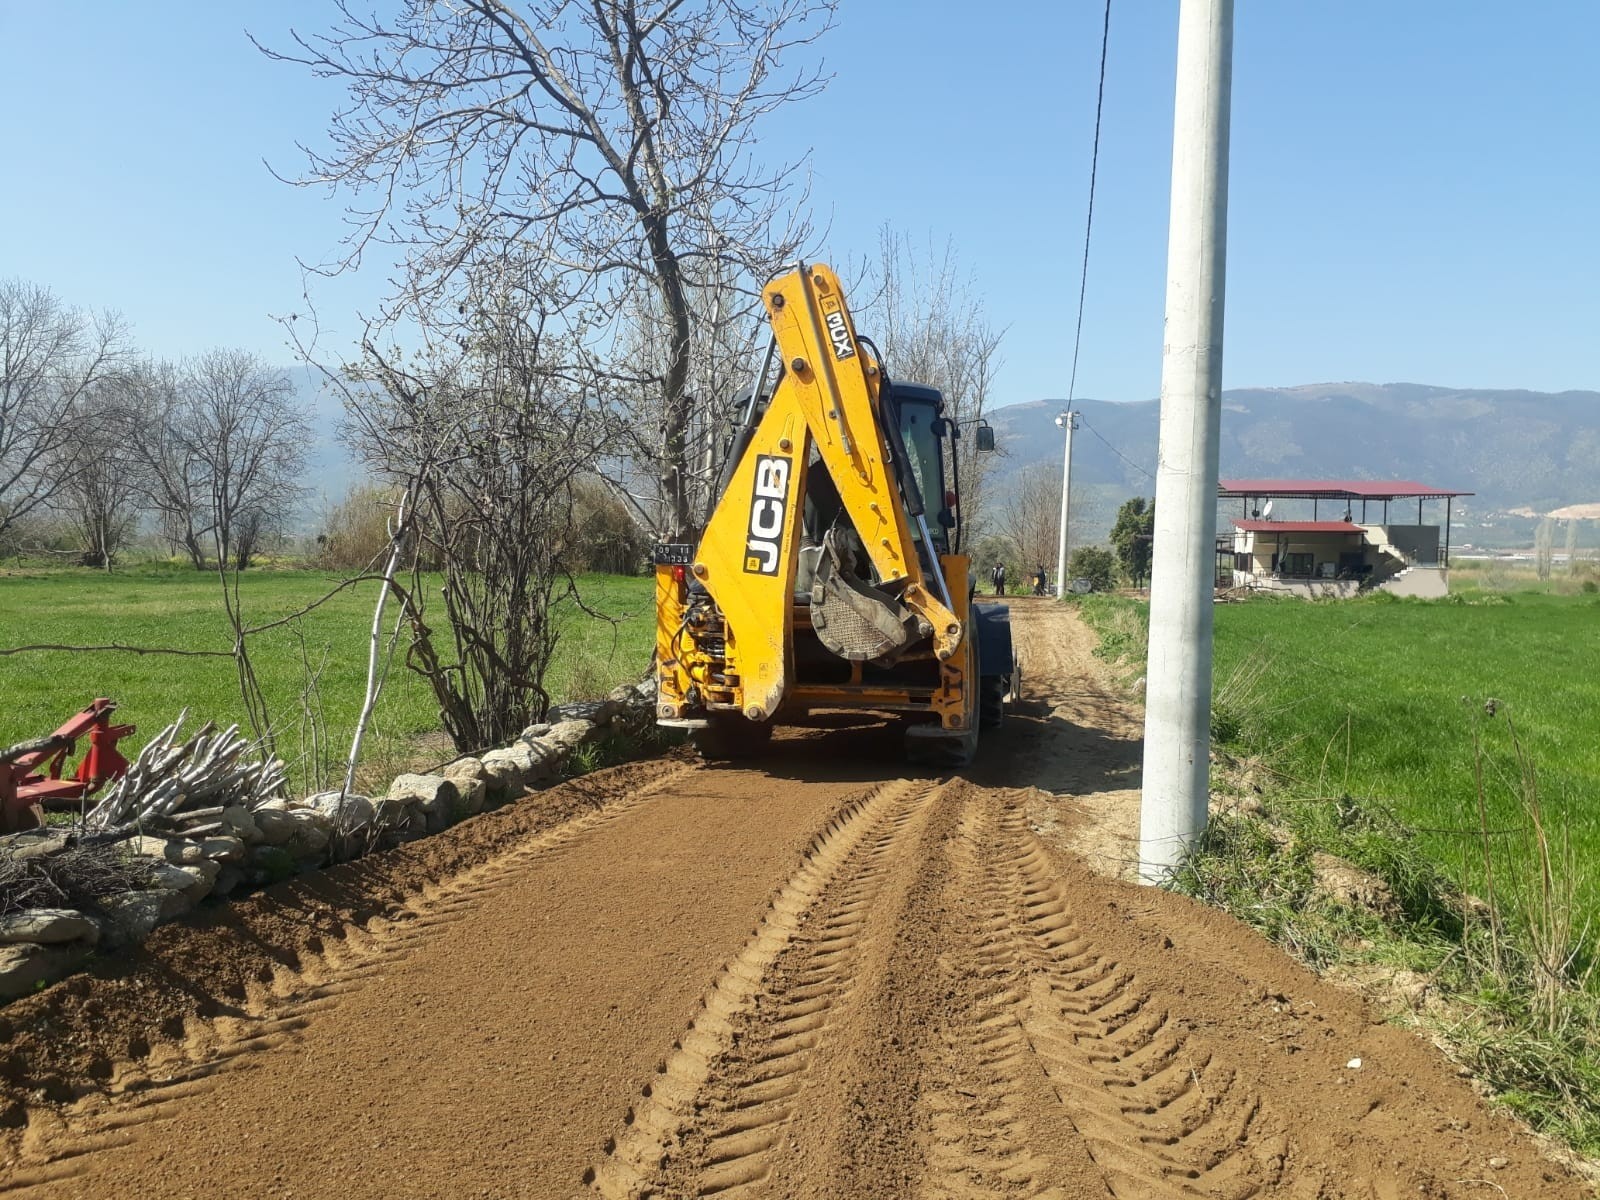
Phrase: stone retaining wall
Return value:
(244, 848)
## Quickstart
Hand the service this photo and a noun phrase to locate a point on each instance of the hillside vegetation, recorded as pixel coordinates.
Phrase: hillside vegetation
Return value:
(1513, 449)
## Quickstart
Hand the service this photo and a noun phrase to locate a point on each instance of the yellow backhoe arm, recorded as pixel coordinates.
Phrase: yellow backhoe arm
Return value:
(829, 397)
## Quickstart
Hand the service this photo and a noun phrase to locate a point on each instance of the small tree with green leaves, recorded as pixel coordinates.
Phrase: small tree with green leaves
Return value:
(1132, 535)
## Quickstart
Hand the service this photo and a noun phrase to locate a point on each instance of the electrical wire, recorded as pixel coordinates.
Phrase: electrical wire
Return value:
(1113, 449)
(1094, 170)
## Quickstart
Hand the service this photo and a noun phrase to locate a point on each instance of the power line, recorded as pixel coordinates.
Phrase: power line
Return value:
(1114, 450)
(1094, 170)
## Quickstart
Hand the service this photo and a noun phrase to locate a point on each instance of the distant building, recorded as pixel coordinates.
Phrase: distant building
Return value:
(1366, 548)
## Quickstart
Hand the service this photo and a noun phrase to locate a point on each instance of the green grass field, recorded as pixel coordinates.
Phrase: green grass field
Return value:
(182, 609)
(1347, 728)
(1380, 700)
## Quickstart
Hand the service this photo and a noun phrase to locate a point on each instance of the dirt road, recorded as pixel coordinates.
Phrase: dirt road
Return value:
(816, 976)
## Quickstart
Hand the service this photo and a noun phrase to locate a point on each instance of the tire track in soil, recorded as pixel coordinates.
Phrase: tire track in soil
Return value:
(718, 1105)
(989, 1103)
(1158, 1118)
(1057, 1074)
(1061, 1073)
(155, 1091)
(919, 1013)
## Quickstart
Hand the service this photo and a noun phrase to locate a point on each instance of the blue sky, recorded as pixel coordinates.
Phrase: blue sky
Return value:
(1413, 196)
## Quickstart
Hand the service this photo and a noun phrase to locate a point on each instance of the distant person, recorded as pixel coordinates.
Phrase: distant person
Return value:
(998, 578)
(1039, 581)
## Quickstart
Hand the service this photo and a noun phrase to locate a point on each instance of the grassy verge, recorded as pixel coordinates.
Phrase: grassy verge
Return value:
(314, 671)
(1382, 698)
(1399, 795)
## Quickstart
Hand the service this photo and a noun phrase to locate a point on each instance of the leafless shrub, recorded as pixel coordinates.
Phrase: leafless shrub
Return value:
(355, 532)
(605, 536)
(491, 436)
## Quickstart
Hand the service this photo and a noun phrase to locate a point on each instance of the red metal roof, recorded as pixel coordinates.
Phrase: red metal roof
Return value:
(1297, 526)
(1334, 489)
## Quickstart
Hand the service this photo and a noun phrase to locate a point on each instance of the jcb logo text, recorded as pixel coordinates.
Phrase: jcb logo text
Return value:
(768, 503)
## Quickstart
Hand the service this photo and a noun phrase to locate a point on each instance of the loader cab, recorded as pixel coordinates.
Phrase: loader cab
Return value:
(918, 410)
(921, 428)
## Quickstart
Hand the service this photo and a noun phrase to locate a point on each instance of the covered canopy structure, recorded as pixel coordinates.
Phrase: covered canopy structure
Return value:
(1254, 493)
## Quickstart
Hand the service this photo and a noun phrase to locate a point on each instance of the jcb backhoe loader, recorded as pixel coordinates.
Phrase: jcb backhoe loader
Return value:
(820, 581)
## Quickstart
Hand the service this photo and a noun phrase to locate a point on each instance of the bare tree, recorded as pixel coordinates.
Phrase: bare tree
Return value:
(100, 497)
(723, 364)
(50, 356)
(932, 328)
(610, 145)
(221, 444)
(170, 469)
(1030, 519)
(249, 437)
(1544, 547)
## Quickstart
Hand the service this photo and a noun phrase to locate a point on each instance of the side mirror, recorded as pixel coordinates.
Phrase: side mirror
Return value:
(985, 437)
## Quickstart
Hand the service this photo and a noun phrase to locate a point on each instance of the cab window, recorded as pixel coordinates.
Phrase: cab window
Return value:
(922, 446)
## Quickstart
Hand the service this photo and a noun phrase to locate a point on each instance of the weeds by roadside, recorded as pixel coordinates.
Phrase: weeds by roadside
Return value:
(619, 746)
(1123, 627)
(1503, 981)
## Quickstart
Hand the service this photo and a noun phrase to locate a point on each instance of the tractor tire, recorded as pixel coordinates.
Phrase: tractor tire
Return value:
(992, 691)
(729, 738)
(930, 746)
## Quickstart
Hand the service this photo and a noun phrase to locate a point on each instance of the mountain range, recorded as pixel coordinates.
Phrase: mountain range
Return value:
(1520, 453)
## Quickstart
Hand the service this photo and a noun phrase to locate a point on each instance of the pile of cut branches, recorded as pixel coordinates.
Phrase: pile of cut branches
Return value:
(188, 783)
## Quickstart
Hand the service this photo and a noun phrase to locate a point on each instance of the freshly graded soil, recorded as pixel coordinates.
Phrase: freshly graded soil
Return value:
(813, 975)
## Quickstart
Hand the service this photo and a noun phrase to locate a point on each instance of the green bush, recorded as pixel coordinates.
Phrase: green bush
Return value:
(1095, 565)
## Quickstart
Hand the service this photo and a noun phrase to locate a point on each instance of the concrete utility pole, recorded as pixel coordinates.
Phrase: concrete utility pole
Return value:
(1069, 422)
(1177, 728)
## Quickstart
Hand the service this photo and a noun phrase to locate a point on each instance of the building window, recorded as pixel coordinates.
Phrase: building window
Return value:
(1299, 564)
(1241, 562)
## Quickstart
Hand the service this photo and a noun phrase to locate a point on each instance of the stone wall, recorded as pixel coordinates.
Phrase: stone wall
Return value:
(238, 848)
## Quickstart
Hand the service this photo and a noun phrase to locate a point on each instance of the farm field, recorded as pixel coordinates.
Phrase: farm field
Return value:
(815, 973)
(1379, 700)
(181, 609)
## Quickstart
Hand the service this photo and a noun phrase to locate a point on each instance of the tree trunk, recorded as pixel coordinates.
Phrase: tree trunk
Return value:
(675, 422)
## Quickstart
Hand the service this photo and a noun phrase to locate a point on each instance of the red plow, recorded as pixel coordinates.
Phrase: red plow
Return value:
(31, 772)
